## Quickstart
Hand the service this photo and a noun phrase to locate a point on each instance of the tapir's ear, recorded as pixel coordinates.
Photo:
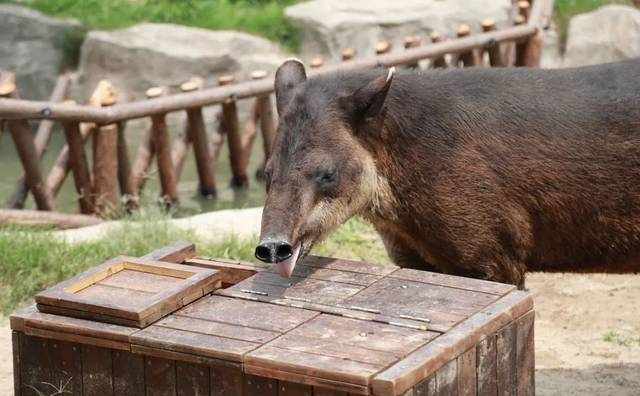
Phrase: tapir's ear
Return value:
(288, 75)
(367, 101)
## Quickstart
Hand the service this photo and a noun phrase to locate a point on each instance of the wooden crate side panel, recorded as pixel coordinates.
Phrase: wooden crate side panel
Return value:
(525, 355)
(226, 381)
(128, 373)
(66, 367)
(447, 379)
(35, 365)
(97, 375)
(286, 388)
(467, 379)
(17, 358)
(192, 379)
(160, 376)
(260, 386)
(487, 366)
(506, 360)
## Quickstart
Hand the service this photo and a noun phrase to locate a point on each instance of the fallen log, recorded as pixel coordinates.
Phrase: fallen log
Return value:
(40, 218)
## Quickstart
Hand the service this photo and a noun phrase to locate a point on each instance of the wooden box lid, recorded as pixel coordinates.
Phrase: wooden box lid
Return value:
(128, 291)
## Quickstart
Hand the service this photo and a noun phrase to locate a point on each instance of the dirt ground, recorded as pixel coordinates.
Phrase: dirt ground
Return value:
(587, 335)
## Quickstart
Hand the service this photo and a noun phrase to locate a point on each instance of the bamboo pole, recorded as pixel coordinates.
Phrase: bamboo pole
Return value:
(198, 136)
(23, 139)
(161, 144)
(493, 49)
(39, 218)
(438, 62)
(232, 130)
(348, 54)
(79, 167)
(41, 141)
(268, 124)
(412, 42)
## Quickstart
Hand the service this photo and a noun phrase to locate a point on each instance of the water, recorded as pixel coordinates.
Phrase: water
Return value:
(190, 201)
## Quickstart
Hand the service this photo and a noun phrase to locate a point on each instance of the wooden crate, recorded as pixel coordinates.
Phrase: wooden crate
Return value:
(336, 327)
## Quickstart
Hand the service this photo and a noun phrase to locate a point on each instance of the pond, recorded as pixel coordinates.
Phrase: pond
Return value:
(190, 201)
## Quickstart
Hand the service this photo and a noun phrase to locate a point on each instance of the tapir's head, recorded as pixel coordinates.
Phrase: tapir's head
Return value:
(320, 172)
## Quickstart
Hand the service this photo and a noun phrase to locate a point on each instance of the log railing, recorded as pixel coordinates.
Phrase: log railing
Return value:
(103, 119)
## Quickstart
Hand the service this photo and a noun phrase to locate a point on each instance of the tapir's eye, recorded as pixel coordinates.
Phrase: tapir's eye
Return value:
(325, 178)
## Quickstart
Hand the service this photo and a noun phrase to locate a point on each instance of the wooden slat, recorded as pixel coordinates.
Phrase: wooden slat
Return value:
(140, 281)
(326, 274)
(192, 379)
(17, 362)
(286, 388)
(88, 316)
(230, 272)
(126, 299)
(128, 373)
(97, 375)
(79, 167)
(226, 330)
(427, 359)
(487, 366)
(226, 381)
(349, 265)
(525, 355)
(66, 367)
(260, 386)
(506, 356)
(340, 388)
(182, 357)
(35, 365)
(159, 376)
(467, 373)
(457, 282)
(320, 391)
(174, 253)
(105, 170)
(447, 379)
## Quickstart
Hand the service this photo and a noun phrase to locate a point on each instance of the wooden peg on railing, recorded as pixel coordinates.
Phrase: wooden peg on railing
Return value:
(41, 141)
(78, 164)
(439, 62)
(198, 136)
(412, 42)
(524, 9)
(467, 58)
(23, 139)
(493, 49)
(267, 125)
(161, 146)
(106, 170)
(231, 128)
(383, 47)
(348, 54)
(520, 46)
(317, 62)
(146, 151)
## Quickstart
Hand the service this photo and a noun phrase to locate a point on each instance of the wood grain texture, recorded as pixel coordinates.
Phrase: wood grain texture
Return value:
(525, 355)
(66, 367)
(160, 376)
(192, 379)
(447, 379)
(487, 366)
(254, 386)
(467, 379)
(35, 365)
(226, 381)
(457, 282)
(16, 342)
(97, 374)
(177, 252)
(128, 373)
(286, 388)
(506, 356)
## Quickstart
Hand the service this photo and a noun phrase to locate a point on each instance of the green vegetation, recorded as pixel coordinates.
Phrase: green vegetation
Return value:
(31, 260)
(262, 17)
(622, 340)
(566, 9)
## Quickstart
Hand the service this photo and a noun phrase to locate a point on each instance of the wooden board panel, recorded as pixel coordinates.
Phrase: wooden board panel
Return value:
(35, 365)
(135, 290)
(192, 379)
(97, 375)
(506, 360)
(88, 316)
(318, 391)
(174, 253)
(128, 373)
(525, 355)
(447, 379)
(332, 275)
(286, 388)
(457, 282)
(17, 359)
(225, 330)
(226, 381)
(467, 373)
(247, 313)
(159, 376)
(66, 367)
(231, 272)
(260, 386)
(349, 265)
(487, 366)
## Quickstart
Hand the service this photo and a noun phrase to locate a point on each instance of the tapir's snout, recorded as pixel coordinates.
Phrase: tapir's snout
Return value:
(273, 252)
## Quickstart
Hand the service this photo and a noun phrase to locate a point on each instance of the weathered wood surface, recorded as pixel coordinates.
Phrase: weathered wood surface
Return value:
(41, 218)
(79, 166)
(177, 253)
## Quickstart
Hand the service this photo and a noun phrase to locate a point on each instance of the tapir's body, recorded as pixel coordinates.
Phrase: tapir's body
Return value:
(492, 172)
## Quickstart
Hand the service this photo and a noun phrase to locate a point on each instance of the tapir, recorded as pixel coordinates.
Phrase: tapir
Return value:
(480, 172)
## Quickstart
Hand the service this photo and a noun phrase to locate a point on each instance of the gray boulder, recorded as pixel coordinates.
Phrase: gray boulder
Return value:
(608, 34)
(37, 48)
(330, 25)
(146, 55)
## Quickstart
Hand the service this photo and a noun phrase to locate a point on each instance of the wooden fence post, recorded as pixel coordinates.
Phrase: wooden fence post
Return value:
(127, 190)
(348, 54)
(493, 49)
(23, 138)
(198, 136)
(267, 124)
(146, 152)
(440, 62)
(182, 145)
(79, 166)
(41, 141)
(231, 129)
(521, 46)
(161, 145)
(467, 58)
(412, 42)
(105, 160)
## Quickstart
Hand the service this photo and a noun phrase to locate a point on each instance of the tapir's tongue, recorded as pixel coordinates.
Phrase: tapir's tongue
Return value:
(285, 268)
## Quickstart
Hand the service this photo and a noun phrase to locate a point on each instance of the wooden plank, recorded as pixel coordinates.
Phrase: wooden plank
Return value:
(202, 326)
(17, 362)
(177, 252)
(349, 265)
(105, 170)
(340, 388)
(327, 274)
(128, 373)
(192, 379)
(287, 388)
(79, 167)
(35, 365)
(525, 354)
(231, 272)
(160, 376)
(506, 356)
(66, 367)
(320, 391)
(447, 379)
(183, 357)
(195, 343)
(140, 281)
(426, 387)
(97, 377)
(247, 313)
(487, 366)
(424, 361)
(226, 381)
(457, 282)
(467, 373)
(88, 316)
(127, 299)
(260, 386)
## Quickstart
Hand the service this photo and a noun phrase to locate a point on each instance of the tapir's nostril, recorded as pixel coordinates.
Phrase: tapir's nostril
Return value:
(273, 252)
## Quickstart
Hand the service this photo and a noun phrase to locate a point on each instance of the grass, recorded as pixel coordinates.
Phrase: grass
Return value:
(619, 339)
(31, 260)
(261, 17)
(566, 9)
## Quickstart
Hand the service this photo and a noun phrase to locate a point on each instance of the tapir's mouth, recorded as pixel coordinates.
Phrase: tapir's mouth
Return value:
(300, 250)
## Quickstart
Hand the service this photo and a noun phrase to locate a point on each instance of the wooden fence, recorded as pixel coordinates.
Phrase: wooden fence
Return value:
(111, 178)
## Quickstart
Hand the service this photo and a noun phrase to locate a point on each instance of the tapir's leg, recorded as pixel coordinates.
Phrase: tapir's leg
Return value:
(402, 254)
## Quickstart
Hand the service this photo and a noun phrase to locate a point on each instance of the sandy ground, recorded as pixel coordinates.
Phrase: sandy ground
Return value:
(587, 335)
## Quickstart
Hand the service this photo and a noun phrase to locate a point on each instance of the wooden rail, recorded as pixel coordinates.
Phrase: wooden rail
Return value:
(112, 178)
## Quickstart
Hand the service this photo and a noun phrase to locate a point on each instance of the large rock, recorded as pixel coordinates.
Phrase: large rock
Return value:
(36, 48)
(608, 34)
(147, 55)
(331, 25)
